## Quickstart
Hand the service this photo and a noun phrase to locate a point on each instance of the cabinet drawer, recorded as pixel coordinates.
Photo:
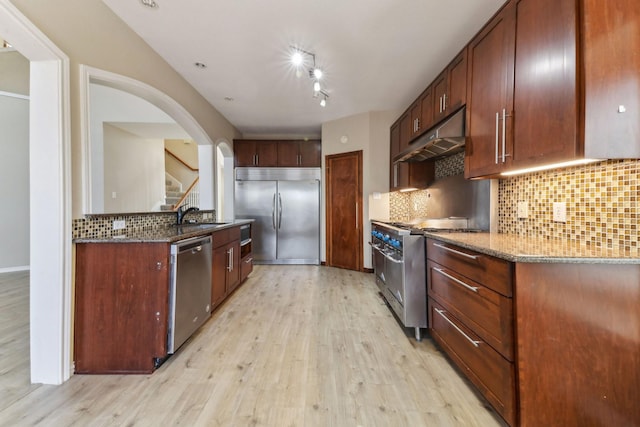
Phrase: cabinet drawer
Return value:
(487, 312)
(487, 369)
(491, 272)
(246, 267)
(222, 237)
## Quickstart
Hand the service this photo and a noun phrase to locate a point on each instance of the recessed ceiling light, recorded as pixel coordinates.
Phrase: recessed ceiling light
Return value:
(228, 98)
(150, 4)
(200, 65)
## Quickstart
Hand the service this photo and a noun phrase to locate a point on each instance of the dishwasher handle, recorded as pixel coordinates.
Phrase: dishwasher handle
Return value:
(193, 245)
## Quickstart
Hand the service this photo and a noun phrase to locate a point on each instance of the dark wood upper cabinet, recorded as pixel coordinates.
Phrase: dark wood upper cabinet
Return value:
(426, 109)
(552, 81)
(274, 153)
(407, 175)
(299, 153)
(406, 134)
(450, 88)
(611, 39)
(490, 95)
(545, 100)
(255, 153)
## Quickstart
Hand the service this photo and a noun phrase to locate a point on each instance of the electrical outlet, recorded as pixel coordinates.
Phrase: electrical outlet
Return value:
(523, 210)
(119, 224)
(560, 211)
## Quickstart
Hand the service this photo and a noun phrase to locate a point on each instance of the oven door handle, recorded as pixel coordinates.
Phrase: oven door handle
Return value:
(384, 254)
(391, 259)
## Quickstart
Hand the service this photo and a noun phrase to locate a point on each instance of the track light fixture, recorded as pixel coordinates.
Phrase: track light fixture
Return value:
(306, 61)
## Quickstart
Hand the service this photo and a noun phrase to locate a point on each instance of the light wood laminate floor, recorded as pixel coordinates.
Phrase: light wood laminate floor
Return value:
(293, 346)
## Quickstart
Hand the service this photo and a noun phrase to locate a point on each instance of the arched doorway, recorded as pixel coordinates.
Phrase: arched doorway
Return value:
(224, 181)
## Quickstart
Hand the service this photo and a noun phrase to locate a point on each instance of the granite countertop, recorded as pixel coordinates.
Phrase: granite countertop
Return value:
(518, 248)
(167, 234)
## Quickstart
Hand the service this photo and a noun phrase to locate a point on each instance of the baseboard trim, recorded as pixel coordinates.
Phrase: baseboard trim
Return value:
(14, 269)
(368, 270)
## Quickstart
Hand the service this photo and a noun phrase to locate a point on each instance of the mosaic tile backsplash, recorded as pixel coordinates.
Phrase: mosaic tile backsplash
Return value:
(98, 226)
(602, 201)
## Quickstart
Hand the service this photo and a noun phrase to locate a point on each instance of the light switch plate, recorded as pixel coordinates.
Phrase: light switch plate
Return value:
(523, 210)
(119, 224)
(560, 211)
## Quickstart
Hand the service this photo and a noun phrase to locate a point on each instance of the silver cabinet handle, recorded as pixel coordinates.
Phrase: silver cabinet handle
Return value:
(474, 342)
(460, 282)
(473, 257)
(504, 134)
(441, 104)
(229, 259)
(444, 102)
(395, 174)
(279, 211)
(497, 138)
(248, 260)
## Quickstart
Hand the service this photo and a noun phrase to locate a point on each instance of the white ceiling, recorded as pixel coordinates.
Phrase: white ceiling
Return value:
(376, 54)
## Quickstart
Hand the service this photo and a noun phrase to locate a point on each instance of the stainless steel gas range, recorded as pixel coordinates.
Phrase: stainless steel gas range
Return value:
(399, 266)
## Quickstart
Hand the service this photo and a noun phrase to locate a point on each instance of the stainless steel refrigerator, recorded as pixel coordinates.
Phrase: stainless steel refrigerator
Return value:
(285, 204)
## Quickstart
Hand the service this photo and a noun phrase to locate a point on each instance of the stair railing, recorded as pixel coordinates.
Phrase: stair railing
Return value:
(181, 161)
(192, 195)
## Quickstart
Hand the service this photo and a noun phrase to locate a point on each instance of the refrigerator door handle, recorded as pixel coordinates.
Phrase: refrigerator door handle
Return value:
(279, 211)
(273, 211)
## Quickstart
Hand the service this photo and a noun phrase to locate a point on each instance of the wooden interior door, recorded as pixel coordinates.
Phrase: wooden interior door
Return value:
(344, 210)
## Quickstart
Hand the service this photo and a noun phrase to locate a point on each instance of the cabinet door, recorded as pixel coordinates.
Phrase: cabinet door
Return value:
(426, 109)
(457, 83)
(288, 155)
(545, 87)
(310, 154)
(219, 275)
(439, 96)
(405, 130)
(394, 143)
(244, 153)
(416, 114)
(489, 95)
(233, 272)
(266, 153)
(121, 307)
(611, 78)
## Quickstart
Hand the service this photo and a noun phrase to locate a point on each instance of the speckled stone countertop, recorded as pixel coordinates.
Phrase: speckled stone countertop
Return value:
(168, 234)
(517, 248)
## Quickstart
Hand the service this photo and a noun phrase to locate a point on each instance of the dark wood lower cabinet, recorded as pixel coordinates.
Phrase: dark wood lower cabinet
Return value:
(226, 264)
(578, 330)
(487, 369)
(122, 300)
(121, 307)
(471, 318)
(564, 351)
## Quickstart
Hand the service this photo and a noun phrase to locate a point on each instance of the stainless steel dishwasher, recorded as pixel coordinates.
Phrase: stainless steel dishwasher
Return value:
(190, 290)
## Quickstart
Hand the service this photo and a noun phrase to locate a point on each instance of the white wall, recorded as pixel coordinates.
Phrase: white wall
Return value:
(133, 170)
(368, 132)
(14, 179)
(110, 105)
(14, 161)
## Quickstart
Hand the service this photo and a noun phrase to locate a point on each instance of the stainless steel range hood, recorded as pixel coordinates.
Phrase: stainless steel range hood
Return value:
(442, 140)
